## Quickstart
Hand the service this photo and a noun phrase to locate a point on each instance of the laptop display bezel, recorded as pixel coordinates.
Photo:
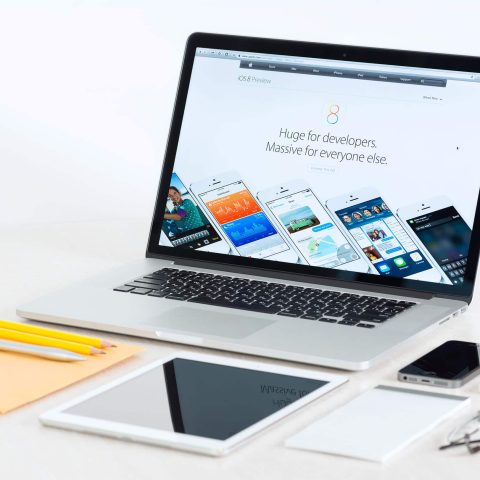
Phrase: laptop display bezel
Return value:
(317, 274)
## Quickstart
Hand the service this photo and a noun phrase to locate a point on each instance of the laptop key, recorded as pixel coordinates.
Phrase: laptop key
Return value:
(292, 312)
(326, 319)
(366, 318)
(141, 291)
(157, 293)
(174, 296)
(365, 325)
(140, 285)
(287, 314)
(348, 322)
(123, 288)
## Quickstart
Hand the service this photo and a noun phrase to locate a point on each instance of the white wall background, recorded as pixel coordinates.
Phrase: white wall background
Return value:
(87, 87)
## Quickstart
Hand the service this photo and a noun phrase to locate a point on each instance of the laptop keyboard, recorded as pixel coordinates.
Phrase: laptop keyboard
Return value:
(266, 297)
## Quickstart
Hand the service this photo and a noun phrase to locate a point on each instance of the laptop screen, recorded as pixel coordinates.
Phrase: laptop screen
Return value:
(343, 165)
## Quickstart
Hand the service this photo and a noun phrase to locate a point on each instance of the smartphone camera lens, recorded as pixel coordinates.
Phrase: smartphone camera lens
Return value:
(404, 377)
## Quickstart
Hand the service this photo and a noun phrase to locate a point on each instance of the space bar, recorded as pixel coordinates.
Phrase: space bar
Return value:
(237, 305)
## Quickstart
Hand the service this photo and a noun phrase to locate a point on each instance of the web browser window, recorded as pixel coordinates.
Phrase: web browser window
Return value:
(407, 134)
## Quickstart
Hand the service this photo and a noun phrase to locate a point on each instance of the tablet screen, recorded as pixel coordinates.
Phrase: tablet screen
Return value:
(197, 398)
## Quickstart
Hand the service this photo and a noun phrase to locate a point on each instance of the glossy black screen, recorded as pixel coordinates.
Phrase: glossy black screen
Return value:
(452, 360)
(197, 398)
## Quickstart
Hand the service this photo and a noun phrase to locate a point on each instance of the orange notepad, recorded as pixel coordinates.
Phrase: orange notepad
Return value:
(25, 378)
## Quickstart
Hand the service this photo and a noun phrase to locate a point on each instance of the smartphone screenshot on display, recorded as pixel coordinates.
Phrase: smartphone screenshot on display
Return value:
(184, 224)
(446, 236)
(317, 238)
(382, 239)
(273, 148)
(243, 221)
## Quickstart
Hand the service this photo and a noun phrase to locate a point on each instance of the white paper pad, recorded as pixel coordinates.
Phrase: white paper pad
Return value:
(378, 423)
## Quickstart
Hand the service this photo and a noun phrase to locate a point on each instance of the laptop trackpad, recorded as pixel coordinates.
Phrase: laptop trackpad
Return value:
(203, 322)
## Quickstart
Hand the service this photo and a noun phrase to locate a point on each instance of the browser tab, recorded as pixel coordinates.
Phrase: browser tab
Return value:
(433, 82)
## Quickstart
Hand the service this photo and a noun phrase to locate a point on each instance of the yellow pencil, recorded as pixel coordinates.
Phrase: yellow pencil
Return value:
(50, 332)
(48, 342)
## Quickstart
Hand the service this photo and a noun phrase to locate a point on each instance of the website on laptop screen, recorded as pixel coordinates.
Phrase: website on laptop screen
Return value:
(335, 164)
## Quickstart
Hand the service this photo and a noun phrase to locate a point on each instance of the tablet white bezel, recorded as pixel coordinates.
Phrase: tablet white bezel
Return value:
(58, 418)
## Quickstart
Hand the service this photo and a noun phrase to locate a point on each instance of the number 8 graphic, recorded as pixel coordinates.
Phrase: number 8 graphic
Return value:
(332, 117)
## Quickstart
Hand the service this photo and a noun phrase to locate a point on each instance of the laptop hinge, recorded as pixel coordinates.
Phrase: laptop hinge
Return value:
(260, 272)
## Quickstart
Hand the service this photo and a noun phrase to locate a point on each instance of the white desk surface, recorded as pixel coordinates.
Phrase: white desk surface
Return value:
(37, 259)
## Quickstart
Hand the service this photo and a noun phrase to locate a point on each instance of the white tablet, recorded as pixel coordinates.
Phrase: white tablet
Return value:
(202, 403)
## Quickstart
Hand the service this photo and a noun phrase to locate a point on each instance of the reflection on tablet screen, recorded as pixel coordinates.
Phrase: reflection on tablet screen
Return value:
(197, 398)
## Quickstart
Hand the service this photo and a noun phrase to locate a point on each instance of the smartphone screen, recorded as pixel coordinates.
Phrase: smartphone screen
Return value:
(184, 224)
(383, 239)
(451, 360)
(447, 238)
(318, 239)
(243, 221)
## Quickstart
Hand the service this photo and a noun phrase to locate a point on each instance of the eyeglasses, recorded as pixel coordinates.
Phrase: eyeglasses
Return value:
(467, 434)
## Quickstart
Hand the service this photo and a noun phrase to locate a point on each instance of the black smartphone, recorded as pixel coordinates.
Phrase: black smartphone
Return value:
(450, 365)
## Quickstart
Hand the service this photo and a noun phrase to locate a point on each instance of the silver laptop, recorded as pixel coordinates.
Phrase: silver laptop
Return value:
(317, 203)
